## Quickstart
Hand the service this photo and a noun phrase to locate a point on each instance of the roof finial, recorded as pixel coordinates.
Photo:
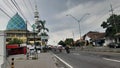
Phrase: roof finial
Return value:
(36, 12)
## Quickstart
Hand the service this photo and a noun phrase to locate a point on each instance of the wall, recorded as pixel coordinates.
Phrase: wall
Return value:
(2, 50)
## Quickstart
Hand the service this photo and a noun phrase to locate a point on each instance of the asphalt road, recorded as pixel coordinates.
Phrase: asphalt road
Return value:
(88, 60)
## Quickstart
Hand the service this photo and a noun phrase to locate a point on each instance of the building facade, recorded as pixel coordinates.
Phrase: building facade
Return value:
(17, 28)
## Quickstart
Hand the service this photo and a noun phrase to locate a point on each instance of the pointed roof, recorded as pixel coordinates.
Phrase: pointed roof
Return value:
(16, 23)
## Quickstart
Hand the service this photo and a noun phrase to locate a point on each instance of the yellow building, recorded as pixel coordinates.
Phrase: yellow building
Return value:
(16, 28)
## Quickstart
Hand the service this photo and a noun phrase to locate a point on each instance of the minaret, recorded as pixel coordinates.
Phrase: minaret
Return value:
(36, 14)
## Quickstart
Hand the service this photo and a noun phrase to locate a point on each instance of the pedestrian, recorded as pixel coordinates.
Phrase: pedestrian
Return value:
(32, 50)
(28, 52)
(67, 49)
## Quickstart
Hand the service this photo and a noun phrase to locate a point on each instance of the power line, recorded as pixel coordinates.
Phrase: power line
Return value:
(5, 13)
(8, 15)
(11, 5)
(22, 12)
(18, 8)
(8, 5)
(31, 5)
(27, 7)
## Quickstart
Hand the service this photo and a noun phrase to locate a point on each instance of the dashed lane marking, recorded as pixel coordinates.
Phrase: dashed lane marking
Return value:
(112, 60)
(76, 54)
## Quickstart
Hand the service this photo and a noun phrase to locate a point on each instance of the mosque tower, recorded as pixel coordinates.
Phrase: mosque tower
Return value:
(36, 15)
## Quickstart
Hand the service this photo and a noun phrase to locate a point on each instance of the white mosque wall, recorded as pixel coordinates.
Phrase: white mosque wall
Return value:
(2, 50)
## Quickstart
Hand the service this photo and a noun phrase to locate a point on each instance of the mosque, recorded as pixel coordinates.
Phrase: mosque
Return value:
(17, 28)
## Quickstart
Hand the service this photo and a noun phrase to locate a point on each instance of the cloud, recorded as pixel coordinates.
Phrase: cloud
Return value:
(3, 23)
(99, 11)
(60, 25)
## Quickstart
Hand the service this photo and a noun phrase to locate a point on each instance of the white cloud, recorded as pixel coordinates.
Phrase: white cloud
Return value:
(99, 12)
(59, 24)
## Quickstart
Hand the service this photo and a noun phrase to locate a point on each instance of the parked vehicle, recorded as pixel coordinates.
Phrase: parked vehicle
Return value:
(114, 45)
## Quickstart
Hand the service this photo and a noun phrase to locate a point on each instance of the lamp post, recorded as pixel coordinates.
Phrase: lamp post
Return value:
(78, 20)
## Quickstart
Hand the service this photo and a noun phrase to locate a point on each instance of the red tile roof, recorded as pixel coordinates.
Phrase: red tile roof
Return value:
(95, 35)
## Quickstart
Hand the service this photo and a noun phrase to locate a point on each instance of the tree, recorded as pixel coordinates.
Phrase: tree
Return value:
(44, 35)
(62, 43)
(15, 41)
(69, 41)
(41, 29)
(112, 25)
(41, 26)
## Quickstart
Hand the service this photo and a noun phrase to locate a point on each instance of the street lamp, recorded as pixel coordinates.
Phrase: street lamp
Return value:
(78, 20)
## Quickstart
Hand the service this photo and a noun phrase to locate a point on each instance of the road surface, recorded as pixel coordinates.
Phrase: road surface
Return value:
(89, 60)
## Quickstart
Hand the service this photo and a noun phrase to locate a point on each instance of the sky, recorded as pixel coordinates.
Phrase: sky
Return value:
(54, 12)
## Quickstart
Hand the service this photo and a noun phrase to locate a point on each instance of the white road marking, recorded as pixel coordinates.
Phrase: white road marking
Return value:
(76, 54)
(63, 61)
(112, 60)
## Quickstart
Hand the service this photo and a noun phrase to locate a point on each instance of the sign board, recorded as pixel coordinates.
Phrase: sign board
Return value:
(2, 50)
(44, 37)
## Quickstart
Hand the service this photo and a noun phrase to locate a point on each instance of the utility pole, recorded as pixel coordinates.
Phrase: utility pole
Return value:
(111, 10)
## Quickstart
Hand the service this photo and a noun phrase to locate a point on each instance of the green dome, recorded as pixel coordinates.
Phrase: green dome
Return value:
(16, 23)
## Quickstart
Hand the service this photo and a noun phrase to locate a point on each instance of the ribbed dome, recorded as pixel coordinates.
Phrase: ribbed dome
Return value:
(16, 23)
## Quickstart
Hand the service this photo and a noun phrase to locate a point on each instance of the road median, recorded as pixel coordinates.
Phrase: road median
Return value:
(100, 49)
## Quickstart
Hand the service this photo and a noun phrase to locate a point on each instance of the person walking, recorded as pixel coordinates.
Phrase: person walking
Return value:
(28, 53)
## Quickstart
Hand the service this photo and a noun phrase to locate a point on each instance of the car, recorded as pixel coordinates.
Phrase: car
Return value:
(114, 45)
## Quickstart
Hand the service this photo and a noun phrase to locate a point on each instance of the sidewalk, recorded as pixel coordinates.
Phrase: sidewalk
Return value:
(45, 60)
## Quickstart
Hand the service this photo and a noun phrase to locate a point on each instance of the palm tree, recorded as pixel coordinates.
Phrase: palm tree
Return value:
(41, 27)
(42, 30)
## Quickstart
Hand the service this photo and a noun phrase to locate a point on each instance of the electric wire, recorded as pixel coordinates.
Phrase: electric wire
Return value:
(19, 10)
(30, 12)
(5, 13)
(22, 13)
(8, 5)
(31, 5)
(11, 5)
(8, 15)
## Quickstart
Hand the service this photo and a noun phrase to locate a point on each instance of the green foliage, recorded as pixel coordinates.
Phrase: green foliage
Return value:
(79, 43)
(41, 26)
(112, 25)
(44, 34)
(69, 41)
(82, 43)
(15, 41)
(62, 43)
